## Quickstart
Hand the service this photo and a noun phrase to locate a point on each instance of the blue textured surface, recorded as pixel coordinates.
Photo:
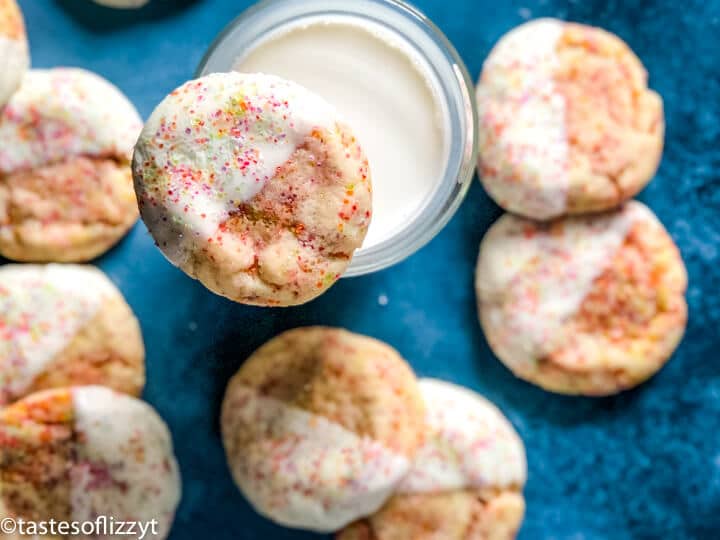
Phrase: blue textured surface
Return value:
(642, 465)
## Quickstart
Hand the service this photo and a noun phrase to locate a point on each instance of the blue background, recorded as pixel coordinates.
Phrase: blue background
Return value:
(642, 465)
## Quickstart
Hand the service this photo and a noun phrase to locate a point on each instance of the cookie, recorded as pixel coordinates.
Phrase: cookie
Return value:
(320, 426)
(66, 325)
(253, 185)
(568, 124)
(14, 54)
(582, 305)
(466, 481)
(75, 454)
(65, 180)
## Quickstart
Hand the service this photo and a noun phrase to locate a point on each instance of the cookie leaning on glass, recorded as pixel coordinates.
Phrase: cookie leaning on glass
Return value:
(254, 186)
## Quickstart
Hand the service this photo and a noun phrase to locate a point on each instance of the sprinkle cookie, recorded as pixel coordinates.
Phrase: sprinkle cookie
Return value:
(252, 185)
(65, 325)
(65, 180)
(584, 305)
(74, 454)
(568, 124)
(320, 426)
(14, 55)
(466, 481)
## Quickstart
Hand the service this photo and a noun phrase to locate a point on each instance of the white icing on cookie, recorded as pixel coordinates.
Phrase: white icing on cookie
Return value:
(532, 278)
(470, 444)
(523, 140)
(125, 467)
(65, 112)
(42, 308)
(212, 144)
(302, 470)
(14, 62)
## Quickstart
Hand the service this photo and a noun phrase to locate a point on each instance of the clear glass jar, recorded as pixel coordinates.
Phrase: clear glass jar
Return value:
(441, 65)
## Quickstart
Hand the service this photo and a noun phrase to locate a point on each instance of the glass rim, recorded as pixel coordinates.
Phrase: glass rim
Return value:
(458, 174)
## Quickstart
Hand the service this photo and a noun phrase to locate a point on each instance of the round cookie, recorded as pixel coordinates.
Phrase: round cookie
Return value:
(568, 124)
(65, 180)
(466, 481)
(75, 454)
(14, 54)
(582, 305)
(320, 426)
(65, 325)
(253, 185)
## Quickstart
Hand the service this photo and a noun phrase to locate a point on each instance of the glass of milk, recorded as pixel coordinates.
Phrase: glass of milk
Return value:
(399, 84)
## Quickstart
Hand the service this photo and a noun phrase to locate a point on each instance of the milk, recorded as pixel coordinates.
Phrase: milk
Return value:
(387, 95)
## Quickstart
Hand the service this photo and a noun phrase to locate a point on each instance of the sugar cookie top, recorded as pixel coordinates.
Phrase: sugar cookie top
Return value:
(63, 113)
(125, 464)
(67, 193)
(214, 143)
(466, 481)
(569, 125)
(470, 444)
(319, 426)
(116, 450)
(41, 310)
(14, 56)
(543, 273)
(589, 305)
(308, 471)
(525, 118)
(254, 175)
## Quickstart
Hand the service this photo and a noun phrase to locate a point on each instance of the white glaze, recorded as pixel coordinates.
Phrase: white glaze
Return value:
(524, 115)
(470, 444)
(65, 112)
(41, 309)
(531, 280)
(303, 470)
(14, 61)
(125, 467)
(384, 93)
(200, 210)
